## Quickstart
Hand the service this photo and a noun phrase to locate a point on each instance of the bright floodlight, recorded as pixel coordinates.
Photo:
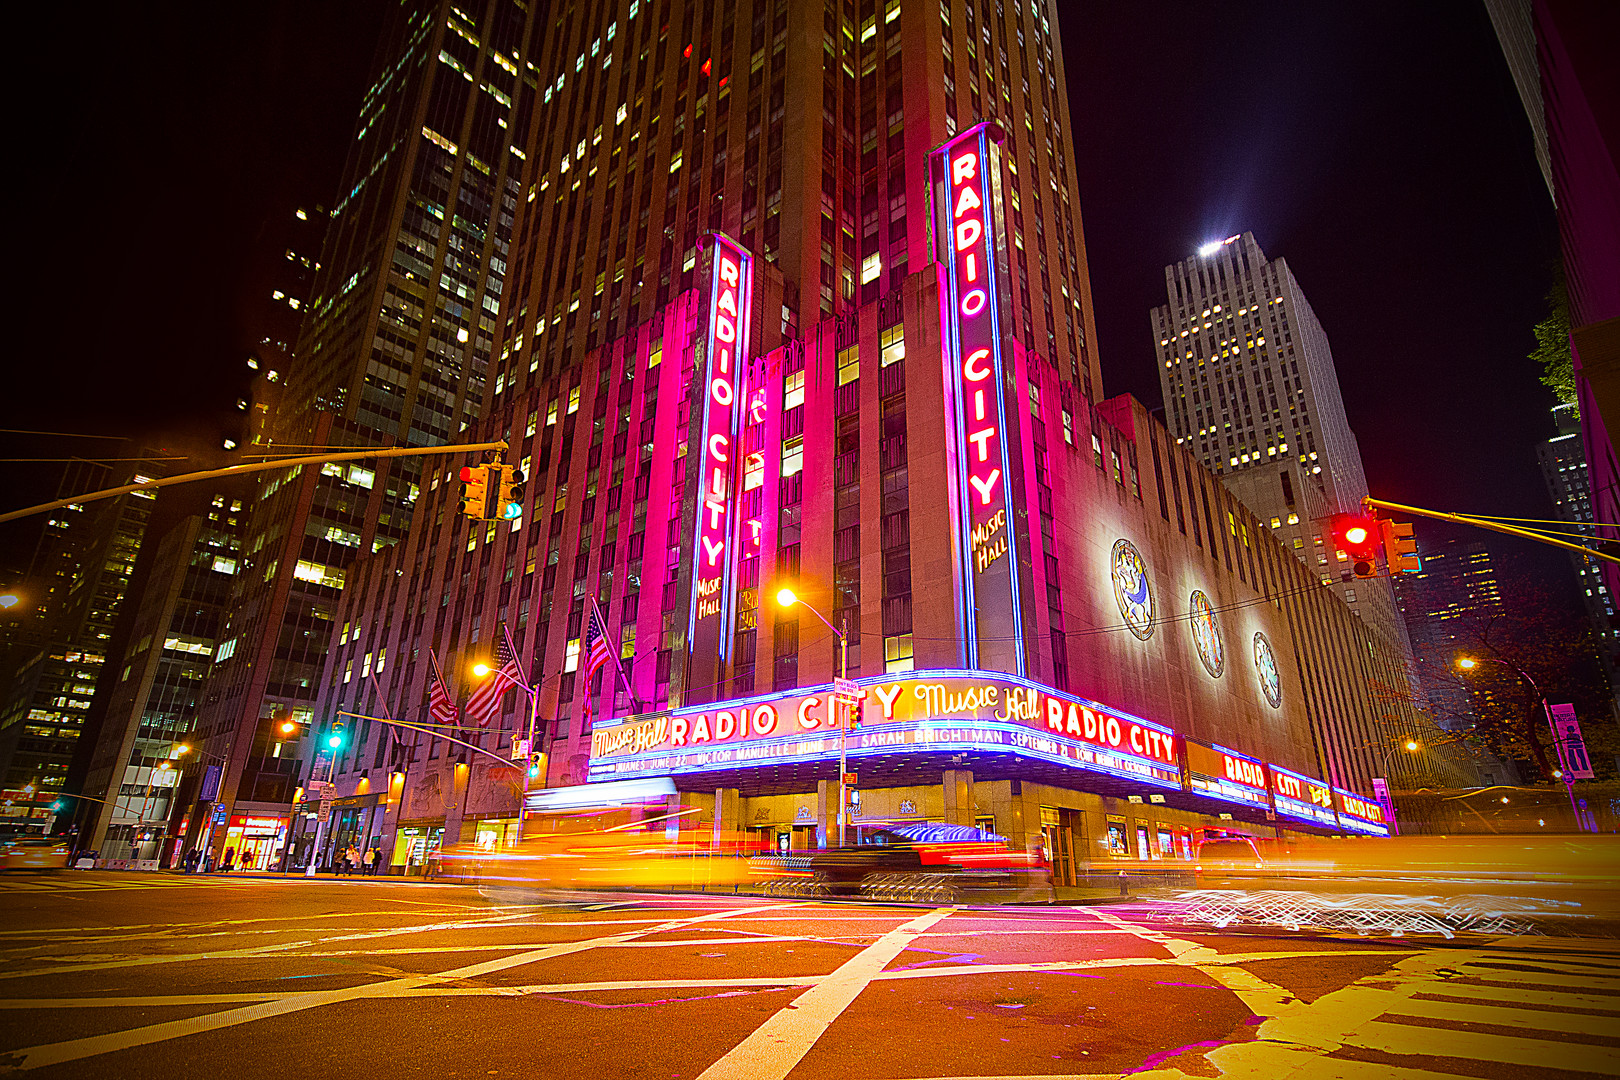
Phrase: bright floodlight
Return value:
(481, 670)
(786, 598)
(1210, 248)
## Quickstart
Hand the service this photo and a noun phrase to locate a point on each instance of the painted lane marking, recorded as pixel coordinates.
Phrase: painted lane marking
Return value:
(55, 1053)
(256, 951)
(1527, 978)
(1505, 1016)
(1545, 999)
(1475, 1046)
(781, 1042)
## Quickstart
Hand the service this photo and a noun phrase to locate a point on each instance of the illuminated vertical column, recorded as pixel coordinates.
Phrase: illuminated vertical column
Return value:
(988, 516)
(718, 455)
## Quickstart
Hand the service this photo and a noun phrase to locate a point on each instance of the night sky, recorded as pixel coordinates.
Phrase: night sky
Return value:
(1381, 150)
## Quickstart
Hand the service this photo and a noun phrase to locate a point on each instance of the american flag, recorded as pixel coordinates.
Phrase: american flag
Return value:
(441, 706)
(597, 653)
(486, 700)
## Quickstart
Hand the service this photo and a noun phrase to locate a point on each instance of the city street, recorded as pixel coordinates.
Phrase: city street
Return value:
(154, 975)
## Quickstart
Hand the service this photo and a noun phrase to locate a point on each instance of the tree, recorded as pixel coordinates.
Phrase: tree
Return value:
(1552, 353)
(1552, 644)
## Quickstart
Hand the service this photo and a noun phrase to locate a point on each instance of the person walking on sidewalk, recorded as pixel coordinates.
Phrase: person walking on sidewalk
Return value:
(370, 862)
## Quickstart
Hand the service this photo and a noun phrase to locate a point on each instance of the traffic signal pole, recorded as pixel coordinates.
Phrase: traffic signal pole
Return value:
(260, 466)
(1464, 519)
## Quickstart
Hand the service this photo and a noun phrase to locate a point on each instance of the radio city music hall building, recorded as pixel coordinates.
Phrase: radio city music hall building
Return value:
(1062, 624)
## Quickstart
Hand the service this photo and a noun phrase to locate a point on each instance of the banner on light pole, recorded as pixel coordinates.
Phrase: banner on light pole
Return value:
(1572, 756)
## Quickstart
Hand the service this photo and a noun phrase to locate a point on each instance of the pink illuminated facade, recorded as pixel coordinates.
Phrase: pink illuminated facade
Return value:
(749, 343)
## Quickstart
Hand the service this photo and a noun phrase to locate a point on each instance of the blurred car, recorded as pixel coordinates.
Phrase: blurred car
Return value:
(608, 860)
(33, 853)
(928, 862)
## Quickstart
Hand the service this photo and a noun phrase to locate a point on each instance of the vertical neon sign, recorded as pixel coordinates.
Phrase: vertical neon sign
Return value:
(983, 511)
(718, 459)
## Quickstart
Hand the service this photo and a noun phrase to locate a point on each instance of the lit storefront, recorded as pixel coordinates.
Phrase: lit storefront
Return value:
(257, 840)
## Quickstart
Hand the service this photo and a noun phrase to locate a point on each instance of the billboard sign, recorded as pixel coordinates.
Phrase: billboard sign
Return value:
(717, 452)
(1299, 796)
(1226, 774)
(952, 711)
(1357, 814)
(1572, 756)
(966, 186)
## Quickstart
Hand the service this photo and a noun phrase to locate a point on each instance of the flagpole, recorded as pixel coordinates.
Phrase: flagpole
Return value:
(624, 680)
(533, 692)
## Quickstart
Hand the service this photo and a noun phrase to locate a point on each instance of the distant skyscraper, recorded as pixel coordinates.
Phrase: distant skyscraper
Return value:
(79, 578)
(136, 764)
(1443, 605)
(1251, 390)
(393, 350)
(1564, 468)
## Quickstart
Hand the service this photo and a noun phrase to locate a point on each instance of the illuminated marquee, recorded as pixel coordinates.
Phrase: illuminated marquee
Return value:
(966, 185)
(1359, 815)
(724, 395)
(942, 710)
(1224, 774)
(1301, 797)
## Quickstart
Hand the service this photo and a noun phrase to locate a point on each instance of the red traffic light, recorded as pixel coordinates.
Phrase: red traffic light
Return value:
(1358, 536)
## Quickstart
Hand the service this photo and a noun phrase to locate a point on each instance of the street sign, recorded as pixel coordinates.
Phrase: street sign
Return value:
(1381, 790)
(520, 749)
(1572, 755)
(221, 813)
(846, 690)
(851, 779)
(325, 812)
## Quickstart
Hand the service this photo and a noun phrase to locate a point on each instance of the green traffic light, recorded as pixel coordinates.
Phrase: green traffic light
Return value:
(335, 741)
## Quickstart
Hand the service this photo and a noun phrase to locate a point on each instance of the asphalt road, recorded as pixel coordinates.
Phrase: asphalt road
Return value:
(147, 975)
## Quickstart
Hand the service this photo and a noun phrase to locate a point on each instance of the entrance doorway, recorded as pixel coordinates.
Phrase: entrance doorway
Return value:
(1061, 830)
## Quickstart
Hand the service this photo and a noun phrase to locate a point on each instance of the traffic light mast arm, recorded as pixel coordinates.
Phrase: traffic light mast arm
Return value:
(261, 466)
(1495, 526)
(431, 731)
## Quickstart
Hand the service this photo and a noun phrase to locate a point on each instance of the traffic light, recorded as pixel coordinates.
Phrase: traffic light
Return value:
(857, 713)
(536, 765)
(475, 492)
(1400, 548)
(338, 736)
(1358, 536)
(508, 502)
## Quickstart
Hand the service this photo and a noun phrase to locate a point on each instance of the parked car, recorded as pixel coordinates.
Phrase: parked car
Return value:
(33, 853)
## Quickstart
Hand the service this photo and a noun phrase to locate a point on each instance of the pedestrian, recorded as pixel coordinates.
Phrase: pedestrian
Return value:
(353, 858)
(371, 862)
(225, 863)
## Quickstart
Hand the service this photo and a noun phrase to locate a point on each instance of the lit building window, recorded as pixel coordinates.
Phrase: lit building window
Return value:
(849, 364)
(793, 456)
(897, 653)
(871, 267)
(571, 656)
(893, 343)
(793, 390)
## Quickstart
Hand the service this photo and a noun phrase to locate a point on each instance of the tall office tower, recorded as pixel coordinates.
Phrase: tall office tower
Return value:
(393, 351)
(751, 343)
(1444, 605)
(1251, 390)
(79, 577)
(134, 771)
(1564, 468)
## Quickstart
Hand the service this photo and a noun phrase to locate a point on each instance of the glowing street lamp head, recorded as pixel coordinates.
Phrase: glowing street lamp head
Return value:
(1411, 744)
(182, 749)
(1467, 663)
(9, 600)
(481, 669)
(786, 597)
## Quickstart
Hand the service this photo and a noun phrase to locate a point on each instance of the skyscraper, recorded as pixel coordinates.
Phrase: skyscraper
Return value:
(80, 574)
(1251, 390)
(1568, 479)
(393, 351)
(749, 343)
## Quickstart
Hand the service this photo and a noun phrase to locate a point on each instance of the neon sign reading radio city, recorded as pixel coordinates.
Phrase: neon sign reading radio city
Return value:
(723, 409)
(966, 188)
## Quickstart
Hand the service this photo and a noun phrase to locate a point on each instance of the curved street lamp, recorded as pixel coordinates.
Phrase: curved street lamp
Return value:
(1469, 663)
(788, 598)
